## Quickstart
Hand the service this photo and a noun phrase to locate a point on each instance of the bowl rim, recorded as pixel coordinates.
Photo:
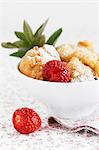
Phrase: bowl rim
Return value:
(55, 83)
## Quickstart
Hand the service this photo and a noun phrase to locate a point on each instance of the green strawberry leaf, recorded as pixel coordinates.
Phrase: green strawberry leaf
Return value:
(53, 38)
(41, 29)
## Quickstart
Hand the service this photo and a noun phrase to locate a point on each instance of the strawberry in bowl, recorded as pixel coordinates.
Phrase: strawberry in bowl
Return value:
(56, 71)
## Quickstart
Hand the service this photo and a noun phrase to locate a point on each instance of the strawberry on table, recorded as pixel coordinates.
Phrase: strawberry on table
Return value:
(26, 120)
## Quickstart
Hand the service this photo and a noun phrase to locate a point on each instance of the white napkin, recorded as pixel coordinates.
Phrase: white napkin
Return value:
(89, 123)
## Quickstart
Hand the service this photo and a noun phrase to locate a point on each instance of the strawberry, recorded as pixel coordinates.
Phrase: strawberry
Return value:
(26, 120)
(56, 71)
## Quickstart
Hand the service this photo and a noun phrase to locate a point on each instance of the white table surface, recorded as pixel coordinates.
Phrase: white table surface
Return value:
(45, 139)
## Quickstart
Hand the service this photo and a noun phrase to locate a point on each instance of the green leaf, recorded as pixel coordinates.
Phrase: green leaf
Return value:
(41, 29)
(20, 44)
(16, 44)
(39, 41)
(28, 40)
(8, 45)
(53, 38)
(28, 32)
(19, 53)
(21, 36)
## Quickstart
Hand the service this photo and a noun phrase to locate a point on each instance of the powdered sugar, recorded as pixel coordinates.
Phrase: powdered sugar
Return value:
(47, 53)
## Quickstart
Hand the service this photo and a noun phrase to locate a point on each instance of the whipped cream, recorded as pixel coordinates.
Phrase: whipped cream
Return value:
(47, 53)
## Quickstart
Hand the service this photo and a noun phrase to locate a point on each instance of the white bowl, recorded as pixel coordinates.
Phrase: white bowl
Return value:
(64, 100)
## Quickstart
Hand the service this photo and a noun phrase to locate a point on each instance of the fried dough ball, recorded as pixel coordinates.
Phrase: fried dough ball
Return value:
(97, 68)
(83, 51)
(32, 63)
(78, 69)
(86, 44)
(66, 52)
(87, 57)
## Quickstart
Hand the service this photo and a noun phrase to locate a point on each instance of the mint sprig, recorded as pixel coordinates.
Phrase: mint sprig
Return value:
(27, 40)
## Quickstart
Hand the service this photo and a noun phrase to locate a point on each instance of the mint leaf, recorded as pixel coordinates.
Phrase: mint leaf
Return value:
(16, 44)
(8, 45)
(20, 44)
(28, 32)
(21, 36)
(41, 29)
(19, 53)
(39, 41)
(53, 38)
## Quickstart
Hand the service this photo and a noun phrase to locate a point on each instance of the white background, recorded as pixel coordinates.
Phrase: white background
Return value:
(80, 22)
(79, 19)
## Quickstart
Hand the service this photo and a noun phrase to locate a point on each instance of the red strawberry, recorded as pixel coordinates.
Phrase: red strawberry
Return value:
(26, 120)
(56, 71)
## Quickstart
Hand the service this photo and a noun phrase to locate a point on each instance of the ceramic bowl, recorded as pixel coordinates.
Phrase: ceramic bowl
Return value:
(64, 100)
